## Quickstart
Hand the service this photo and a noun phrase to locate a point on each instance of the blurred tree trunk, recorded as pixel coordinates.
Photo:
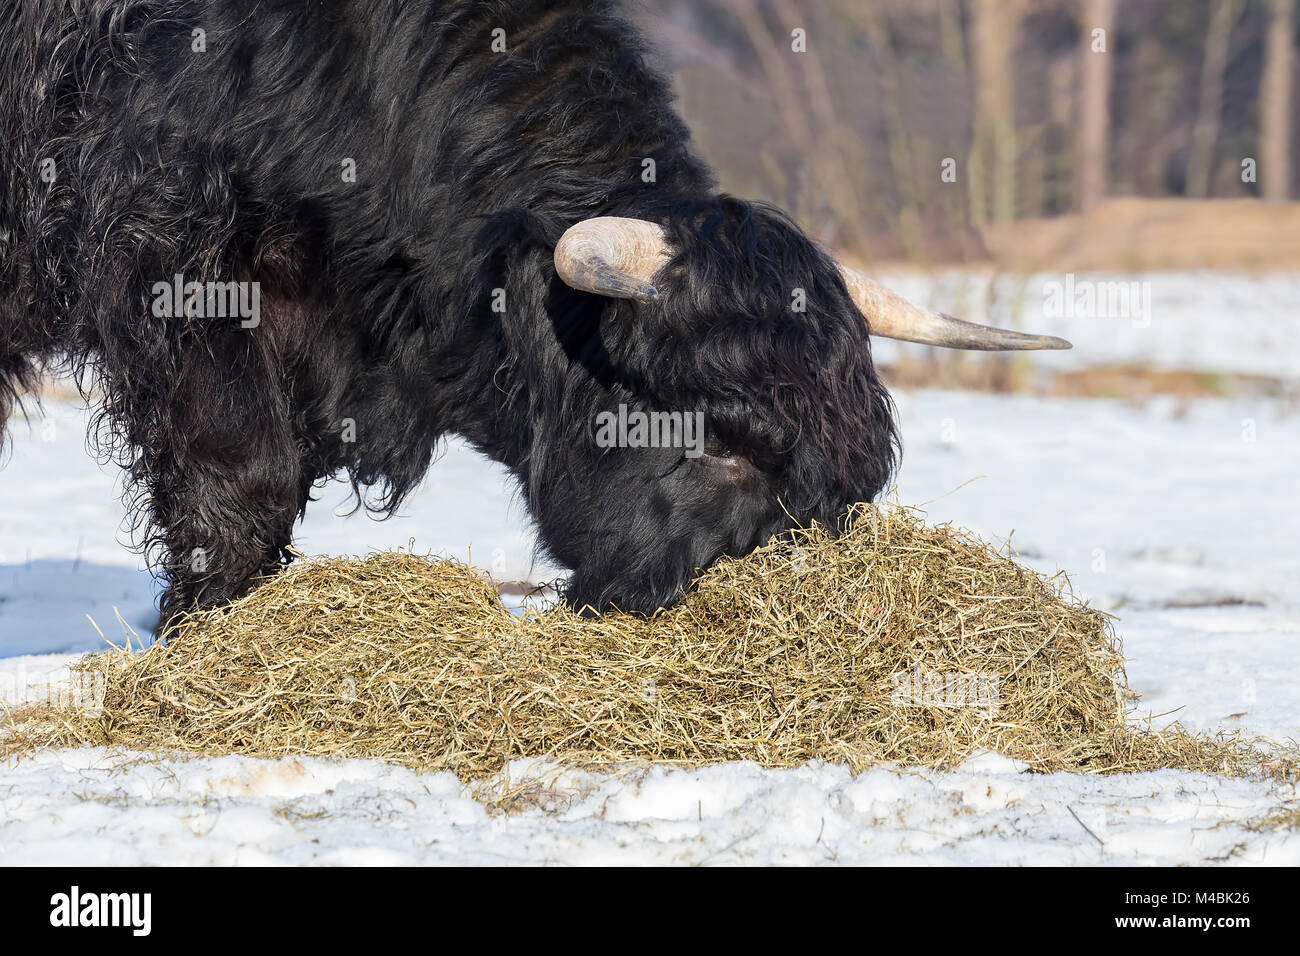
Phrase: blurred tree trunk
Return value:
(1275, 103)
(839, 193)
(827, 199)
(1094, 134)
(995, 31)
(873, 22)
(1141, 176)
(957, 207)
(1205, 133)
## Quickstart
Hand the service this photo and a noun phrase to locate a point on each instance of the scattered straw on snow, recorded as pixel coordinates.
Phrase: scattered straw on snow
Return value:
(1285, 817)
(893, 641)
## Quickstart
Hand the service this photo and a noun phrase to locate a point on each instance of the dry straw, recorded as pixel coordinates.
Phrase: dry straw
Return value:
(891, 642)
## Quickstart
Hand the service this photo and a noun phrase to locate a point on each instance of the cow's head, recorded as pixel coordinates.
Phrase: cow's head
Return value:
(734, 320)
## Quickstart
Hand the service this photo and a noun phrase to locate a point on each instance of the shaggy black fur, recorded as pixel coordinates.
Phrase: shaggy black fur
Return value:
(377, 295)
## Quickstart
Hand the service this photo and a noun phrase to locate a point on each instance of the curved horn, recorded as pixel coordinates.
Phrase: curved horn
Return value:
(890, 315)
(618, 257)
(612, 256)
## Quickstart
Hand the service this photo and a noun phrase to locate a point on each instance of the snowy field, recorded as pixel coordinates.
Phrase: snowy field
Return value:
(1188, 321)
(1179, 518)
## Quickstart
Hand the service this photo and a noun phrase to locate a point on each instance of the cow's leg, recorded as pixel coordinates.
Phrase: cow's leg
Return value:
(222, 473)
(26, 341)
(221, 529)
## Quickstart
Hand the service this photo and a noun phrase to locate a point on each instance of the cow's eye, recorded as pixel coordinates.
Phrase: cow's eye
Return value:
(714, 448)
(727, 464)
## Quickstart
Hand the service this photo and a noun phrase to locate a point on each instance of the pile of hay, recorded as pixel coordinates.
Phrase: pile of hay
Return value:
(891, 642)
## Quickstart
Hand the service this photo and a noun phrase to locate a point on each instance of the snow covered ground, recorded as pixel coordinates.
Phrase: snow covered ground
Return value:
(1179, 518)
(83, 808)
(1210, 322)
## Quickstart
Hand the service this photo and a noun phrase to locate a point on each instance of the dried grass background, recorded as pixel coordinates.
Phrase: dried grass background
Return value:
(808, 649)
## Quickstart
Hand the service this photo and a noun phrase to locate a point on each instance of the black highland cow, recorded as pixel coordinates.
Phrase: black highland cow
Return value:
(396, 188)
